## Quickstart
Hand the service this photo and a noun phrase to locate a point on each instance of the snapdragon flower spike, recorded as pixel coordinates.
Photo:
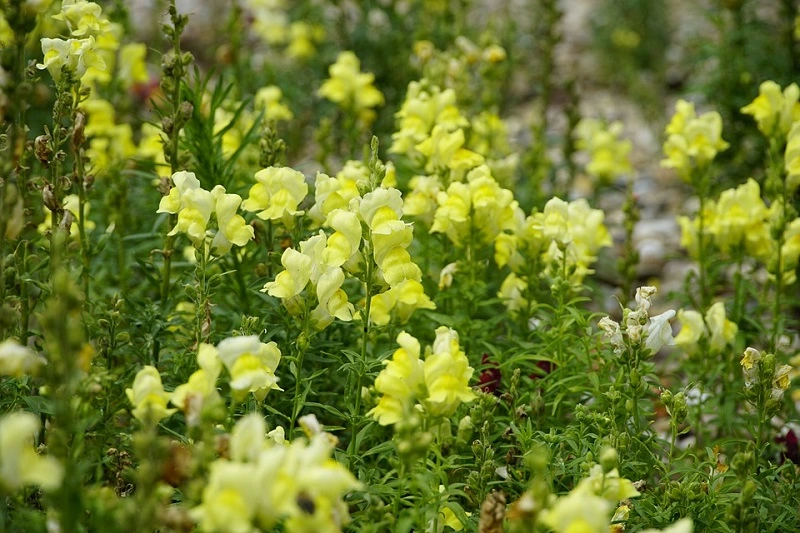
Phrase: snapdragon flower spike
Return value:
(266, 482)
(349, 87)
(692, 141)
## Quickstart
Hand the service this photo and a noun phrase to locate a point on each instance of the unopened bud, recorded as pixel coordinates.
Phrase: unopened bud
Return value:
(609, 459)
(186, 109)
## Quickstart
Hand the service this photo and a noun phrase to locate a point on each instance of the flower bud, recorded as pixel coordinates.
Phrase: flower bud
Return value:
(609, 459)
(186, 109)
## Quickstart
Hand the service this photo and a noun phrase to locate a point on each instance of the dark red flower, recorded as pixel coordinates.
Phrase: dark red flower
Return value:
(544, 366)
(790, 451)
(489, 380)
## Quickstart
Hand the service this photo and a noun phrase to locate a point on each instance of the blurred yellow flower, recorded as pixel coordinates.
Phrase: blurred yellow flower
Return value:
(774, 110)
(692, 141)
(20, 465)
(148, 397)
(349, 87)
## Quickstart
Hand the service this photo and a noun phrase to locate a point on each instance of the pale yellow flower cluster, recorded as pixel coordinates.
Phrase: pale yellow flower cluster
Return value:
(88, 30)
(437, 385)
(425, 107)
(587, 508)
(20, 465)
(266, 481)
(565, 237)
(269, 101)
(478, 209)
(775, 111)
(277, 195)
(639, 330)
(308, 268)
(609, 156)
(489, 138)
(715, 328)
(458, 192)
(272, 25)
(372, 222)
(739, 223)
(17, 360)
(194, 207)
(692, 141)
(110, 143)
(351, 89)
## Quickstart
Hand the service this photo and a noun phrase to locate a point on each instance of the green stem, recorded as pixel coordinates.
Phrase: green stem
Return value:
(354, 444)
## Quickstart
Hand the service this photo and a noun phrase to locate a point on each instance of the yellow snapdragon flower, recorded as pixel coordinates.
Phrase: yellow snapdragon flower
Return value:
(270, 20)
(792, 159)
(692, 141)
(452, 214)
(512, 292)
(717, 328)
(399, 301)
(17, 360)
(440, 383)
(349, 87)
(20, 465)
(268, 100)
(232, 228)
(308, 266)
(423, 108)
(741, 219)
(261, 485)
(337, 192)
(609, 156)
(332, 300)
(774, 110)
(132, 66)
(251, 364)
(75, 55)
(343, 245)
(444, 152)
(201, 388)
(421, 200)
(109, 143)
(277, 194)
(580, 511)
(400, 382)
(447, 374)
(148, 397)
(83, 18)
(302, 39)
